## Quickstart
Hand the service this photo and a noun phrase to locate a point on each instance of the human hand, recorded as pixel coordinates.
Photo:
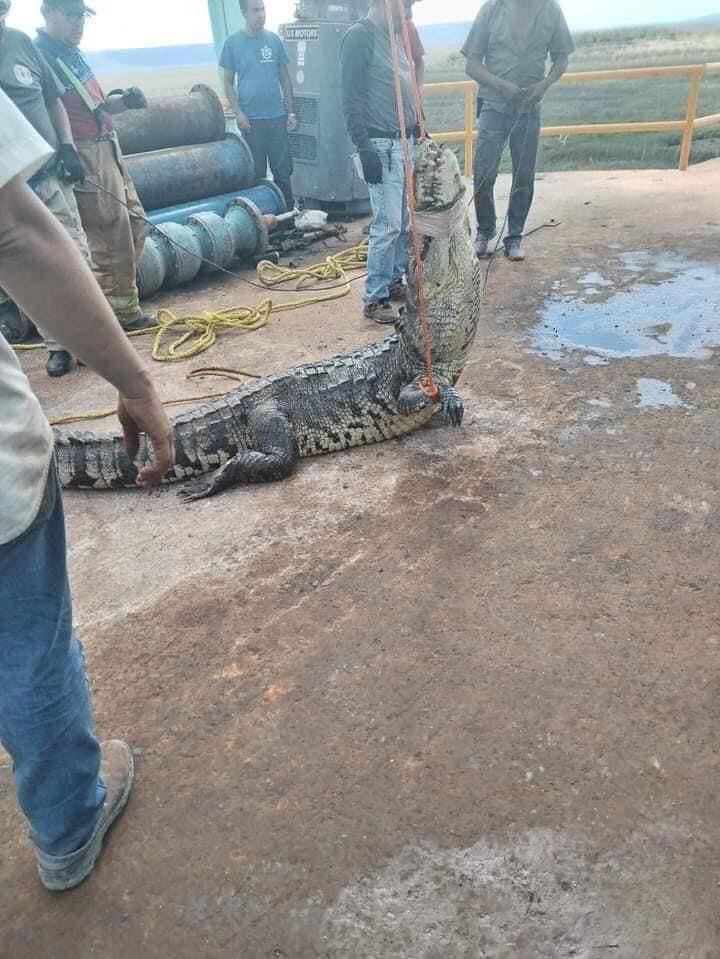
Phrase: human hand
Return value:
(145, 414)
(291, 122)
(510, 91)
(70, 165)
(134, 99)
(242, 121)
(371, 165)
(534, 94)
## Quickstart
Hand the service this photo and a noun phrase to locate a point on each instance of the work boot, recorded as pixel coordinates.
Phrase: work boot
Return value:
(482, 248)
(59, 362)
(380, 312)
(514, 250)
(58, 873)
(145, 322)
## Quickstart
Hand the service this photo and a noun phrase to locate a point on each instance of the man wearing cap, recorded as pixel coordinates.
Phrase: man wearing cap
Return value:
(29, 82)
(116, 233)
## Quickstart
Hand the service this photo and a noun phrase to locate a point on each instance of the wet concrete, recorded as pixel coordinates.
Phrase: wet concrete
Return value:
(449, 697)
(654, 304)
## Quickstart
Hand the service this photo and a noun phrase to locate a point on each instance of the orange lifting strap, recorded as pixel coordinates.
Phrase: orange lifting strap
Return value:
(428, 385)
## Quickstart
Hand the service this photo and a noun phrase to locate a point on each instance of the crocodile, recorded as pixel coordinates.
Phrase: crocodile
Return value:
(258, 433)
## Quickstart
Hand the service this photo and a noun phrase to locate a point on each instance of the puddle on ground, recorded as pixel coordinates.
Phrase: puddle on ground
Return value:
(662, 305)
(654, 394)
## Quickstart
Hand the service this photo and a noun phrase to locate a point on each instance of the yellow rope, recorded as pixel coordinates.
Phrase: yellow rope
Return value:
(196, 333)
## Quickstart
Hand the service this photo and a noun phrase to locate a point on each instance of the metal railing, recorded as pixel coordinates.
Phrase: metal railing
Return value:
(687, 126)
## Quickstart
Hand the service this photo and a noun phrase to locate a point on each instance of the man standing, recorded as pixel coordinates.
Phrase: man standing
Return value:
(257, 82)
(70, 787)
(116, 233)
(28, 81)
(371, 116)
(506, 53)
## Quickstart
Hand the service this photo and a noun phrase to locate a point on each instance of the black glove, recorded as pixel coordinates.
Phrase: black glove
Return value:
(70, 166)
(371, 164)
(134, 98)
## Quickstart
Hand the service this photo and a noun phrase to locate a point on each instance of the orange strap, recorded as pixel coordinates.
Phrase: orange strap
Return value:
(427, 385)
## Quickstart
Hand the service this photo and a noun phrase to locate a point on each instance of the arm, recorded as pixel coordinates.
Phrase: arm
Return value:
(537, 91)
(59, 118)
(354, 63)
(478, 72)
(475, 51)
(420, 72)
(231, 94)
(69, 304)
(287, 92)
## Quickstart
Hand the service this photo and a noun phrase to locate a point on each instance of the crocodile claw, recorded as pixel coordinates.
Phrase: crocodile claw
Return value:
(452, 405)
(195, 491)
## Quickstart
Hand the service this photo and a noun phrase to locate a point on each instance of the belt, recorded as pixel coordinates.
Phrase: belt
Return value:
(384, 134)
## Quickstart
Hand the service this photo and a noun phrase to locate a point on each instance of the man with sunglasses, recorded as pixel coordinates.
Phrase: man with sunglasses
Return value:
(115, 232)
(29, 82)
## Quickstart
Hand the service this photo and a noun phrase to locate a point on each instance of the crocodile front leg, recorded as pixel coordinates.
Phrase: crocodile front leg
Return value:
(412, 399)
(273, 458)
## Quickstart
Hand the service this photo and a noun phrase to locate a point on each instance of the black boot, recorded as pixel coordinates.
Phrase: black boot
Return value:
(59, 363)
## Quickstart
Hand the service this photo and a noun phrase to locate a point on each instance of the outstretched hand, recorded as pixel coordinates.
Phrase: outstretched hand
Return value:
(146, 415)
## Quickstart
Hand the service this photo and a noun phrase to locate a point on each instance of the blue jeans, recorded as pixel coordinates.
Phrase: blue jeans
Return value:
(494, 130)
(46, 720)
(388, 238)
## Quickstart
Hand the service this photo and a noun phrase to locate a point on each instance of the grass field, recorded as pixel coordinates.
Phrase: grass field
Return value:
(615, 101)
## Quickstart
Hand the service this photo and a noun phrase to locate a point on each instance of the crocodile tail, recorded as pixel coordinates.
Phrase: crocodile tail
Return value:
(89, 461)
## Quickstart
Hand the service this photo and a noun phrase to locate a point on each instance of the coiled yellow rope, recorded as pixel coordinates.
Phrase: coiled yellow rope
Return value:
(196, 333)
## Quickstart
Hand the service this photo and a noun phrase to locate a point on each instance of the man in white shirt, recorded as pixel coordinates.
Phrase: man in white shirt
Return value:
(70, 788)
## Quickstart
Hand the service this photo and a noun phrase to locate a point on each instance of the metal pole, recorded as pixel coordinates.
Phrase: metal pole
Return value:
(694, 92)
(469, 122)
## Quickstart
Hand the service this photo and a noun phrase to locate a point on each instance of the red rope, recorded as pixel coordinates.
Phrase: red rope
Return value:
(427, 385)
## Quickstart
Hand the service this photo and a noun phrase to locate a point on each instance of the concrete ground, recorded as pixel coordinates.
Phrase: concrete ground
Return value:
(450, 696)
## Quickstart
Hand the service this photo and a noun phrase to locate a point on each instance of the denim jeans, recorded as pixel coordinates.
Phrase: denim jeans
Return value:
(494, 130)
(388, 238)
(269, 143)
(46, 720)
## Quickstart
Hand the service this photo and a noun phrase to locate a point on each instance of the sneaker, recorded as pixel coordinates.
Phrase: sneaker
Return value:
(380, 312)
(59, 362)
(145, 322)
(514, 250)
(58, 873)
(398, 292)
(482, 248)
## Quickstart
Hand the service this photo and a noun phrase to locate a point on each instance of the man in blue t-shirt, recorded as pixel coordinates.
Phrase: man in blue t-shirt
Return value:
(258, 86)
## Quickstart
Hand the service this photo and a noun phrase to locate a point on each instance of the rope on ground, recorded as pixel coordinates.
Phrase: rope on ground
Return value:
(191, 335)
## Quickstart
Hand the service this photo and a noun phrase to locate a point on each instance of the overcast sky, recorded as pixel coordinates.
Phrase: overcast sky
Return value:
(144, 23)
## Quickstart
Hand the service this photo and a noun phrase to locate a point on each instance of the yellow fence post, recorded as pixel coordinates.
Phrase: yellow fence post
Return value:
(693, 94)
(469, 126)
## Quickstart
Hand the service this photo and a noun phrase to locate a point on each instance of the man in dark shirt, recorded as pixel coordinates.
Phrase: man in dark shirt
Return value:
(259, 88)
(371, 116)
(29, 82)
(116, 233)
(506, 53)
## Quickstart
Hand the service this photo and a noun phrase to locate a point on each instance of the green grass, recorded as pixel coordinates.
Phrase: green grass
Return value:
(615, 101)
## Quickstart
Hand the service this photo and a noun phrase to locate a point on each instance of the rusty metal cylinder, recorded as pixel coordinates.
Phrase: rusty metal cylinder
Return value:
(195, 117)
(179, 175)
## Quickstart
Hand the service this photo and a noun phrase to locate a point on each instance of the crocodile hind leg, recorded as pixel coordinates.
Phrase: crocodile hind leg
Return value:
(273, 457)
